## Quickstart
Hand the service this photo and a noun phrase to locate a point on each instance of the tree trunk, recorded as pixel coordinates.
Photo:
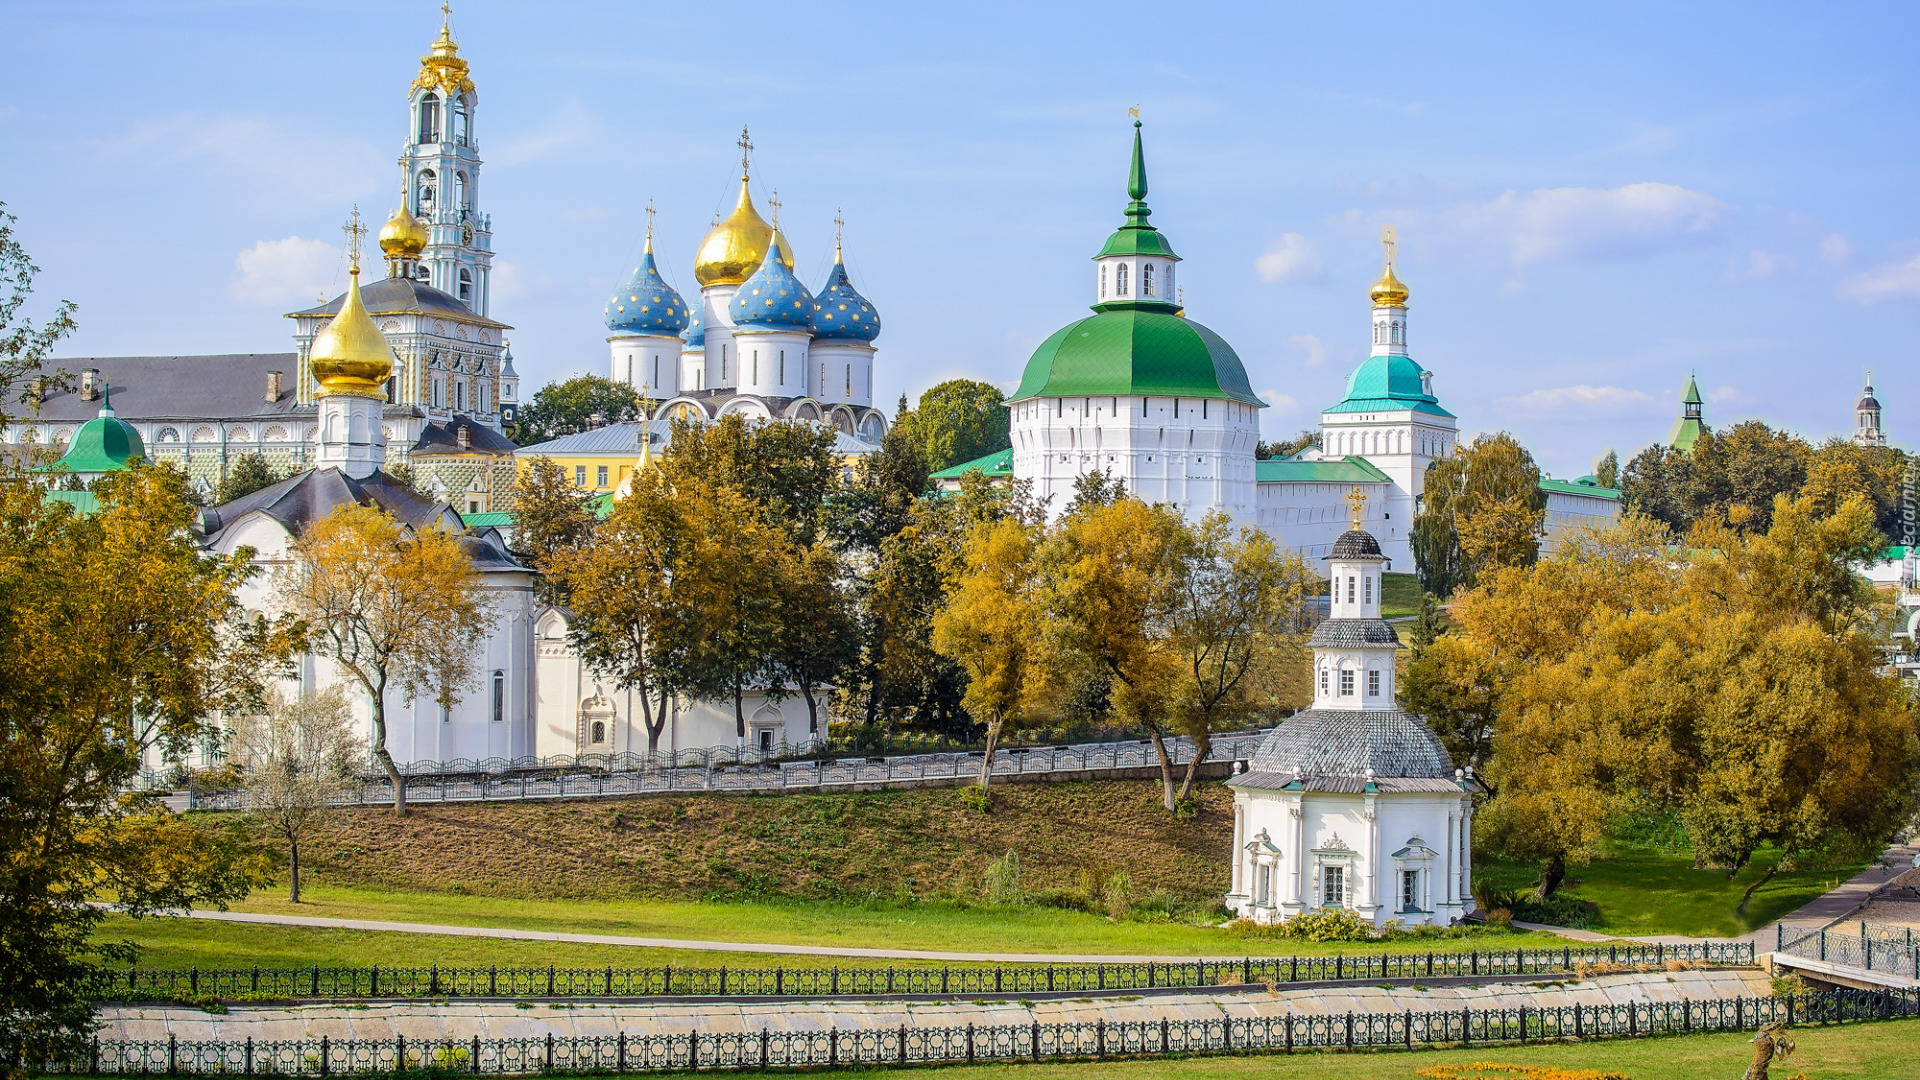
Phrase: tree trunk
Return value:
(813, 708)
(293, 879)
(1755, 887)
(1202, 745)
(739, 715)
(1551, 876)
(656, 721)
(380, 754)
(1166, 766)
(993, 742)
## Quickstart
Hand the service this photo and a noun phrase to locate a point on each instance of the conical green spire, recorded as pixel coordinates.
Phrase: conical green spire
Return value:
(1137, 177)
(1136, 236)
(1693, 393)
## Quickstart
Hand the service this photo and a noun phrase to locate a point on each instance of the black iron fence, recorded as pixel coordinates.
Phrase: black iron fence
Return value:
(1035, 1041)
(745, 769)
(288, 983)
(1873, 948)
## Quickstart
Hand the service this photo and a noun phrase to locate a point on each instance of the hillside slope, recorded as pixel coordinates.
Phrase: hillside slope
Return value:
(840, 846)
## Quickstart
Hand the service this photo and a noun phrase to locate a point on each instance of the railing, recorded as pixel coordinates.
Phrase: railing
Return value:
(748, 770)
(1035, 1041)
(835, 981)
(1874, 948)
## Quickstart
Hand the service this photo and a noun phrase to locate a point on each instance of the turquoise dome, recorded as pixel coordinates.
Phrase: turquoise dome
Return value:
(696, 334)
(1389, 383)
(840, 313)
(103, 444)
(647, 304)
(773, 299)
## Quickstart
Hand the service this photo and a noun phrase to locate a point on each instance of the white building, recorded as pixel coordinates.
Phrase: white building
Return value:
(1353, 804)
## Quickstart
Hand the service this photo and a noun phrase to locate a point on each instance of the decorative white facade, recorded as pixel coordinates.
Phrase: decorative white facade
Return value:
(1190, 452)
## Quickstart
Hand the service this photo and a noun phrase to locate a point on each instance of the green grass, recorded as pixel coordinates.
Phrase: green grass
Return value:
(1642, 891)
(1399, 595)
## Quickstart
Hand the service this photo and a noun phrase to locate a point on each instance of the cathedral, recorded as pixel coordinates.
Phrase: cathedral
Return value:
(757, 342)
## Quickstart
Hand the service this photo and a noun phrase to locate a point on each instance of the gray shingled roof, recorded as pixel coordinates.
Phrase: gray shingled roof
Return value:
(1343, 785)
(392, 296)
(304, 498)
(624, 438)
(445, 439)
(223, 386)
(1348, 742)
(1355, 544)
(1352, 633)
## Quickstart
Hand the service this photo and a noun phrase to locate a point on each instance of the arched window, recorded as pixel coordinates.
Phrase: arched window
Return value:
(460, 120)
(599, 732)
(424, 190)
(466, 285)
(499, 696)
(460, 202)
(1146, 280)
(1120, 280)
(1103, 281)
(430, 118)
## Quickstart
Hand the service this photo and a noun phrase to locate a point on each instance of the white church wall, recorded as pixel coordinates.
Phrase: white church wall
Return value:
(1193, 453)
(1317, 830)
(1567, 513)
(647, 361)
(1309, 517)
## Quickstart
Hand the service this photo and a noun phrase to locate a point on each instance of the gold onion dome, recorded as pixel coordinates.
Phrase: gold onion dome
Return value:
(350, 355)
(403, 236)
(736, 247)
(443, 68)
(1389, 291)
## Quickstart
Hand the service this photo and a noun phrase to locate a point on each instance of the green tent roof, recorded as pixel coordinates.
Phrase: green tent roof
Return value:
(1388, 384)
(1347, 470)
(999, 463)
(1590, 489)
(1136, 351)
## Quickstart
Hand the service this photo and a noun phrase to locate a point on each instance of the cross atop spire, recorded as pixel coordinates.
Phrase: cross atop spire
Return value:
(839, 230)
(773, 201)
(1356, 507)
(746, 147)
(1388, 241)
(355, 231)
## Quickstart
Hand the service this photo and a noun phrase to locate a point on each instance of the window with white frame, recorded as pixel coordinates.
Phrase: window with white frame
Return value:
(1333, 886)
(1410, 890)
(1373, 682)
(1346, 682)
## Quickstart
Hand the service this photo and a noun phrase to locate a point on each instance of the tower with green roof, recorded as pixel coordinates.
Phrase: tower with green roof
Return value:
(1390, 417)
(103, 444)
(1687, 430)
(1137, 390)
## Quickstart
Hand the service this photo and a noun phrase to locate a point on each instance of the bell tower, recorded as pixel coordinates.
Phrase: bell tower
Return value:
(440, 172)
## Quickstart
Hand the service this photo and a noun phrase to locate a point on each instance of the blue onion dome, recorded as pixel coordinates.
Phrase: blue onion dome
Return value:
(773, 299)
(647, 304)
(840, 313)
(696, 334)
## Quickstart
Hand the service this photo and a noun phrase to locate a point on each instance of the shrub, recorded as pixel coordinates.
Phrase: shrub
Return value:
(1115, 896)
(1500, 917)
(1003, 881)
(1064, 899)
(1325, 924)
(975, 798)
(1558, 910)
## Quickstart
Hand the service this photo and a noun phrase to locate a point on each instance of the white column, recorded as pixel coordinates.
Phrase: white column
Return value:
(1453, 833)
(1466, 850)
(1239, 848)
(1299, 851)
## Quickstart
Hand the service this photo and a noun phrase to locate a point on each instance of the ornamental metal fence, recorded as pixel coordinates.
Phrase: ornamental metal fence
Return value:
(435, 982)
(1874, 948)
(909, 1045)
(728, 769)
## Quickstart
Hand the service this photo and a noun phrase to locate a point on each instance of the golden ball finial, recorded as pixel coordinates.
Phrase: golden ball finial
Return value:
(1389, 291)
(403, 236)
(350, 356)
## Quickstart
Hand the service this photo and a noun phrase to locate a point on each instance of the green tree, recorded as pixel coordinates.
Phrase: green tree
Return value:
(1480, 509)
(120, 636)
(1607, 470)
(394, 608)
(1286, 448)
(582, 403)
(550, 519)
(1737, 473)
(786, 468)
(819, 635)
(957, 421)
(24, 348)
(992, 625)
(297, 756)
(1653, 486)
(248, 474)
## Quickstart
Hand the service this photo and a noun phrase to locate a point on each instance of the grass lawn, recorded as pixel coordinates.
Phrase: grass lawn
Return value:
(1645, 891)
(1875, 1051)
(1399, 595)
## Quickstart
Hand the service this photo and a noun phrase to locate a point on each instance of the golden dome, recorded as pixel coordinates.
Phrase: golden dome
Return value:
(736, 247)
(1389, 291)
(443, 68)
(350, 355)
(403, 236)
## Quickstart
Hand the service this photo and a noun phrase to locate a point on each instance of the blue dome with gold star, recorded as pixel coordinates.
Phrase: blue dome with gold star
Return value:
(773, 299)
(647, 304)
(696, 334)
(840, 313)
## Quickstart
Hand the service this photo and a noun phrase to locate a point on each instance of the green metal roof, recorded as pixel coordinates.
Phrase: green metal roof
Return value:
(1137, 237)
(84, 503)
(1686, 431)
(491, 519)
(1576, 487)
(995, 464)
(1388, 384)
(105, 443)
(1347, 470)
(1136, 351)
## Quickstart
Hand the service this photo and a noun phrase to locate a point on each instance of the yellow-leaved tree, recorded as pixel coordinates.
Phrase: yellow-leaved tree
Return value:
(993, 626)
(393, 607)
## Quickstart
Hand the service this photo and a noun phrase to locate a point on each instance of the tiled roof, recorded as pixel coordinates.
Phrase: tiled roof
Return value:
(393, 296)
(999, 463)
(445, 439)
(1352, 633)
(1348, 470)
(623, 440)
(226, 386)
(1348, 742)
(1356, 544)
(1343, 785)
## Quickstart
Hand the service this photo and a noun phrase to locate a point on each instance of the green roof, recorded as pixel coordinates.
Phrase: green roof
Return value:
(996, 464)
(1136, 351)
(84, 503)
(1137, 237)
(1895, 553)
(1388, 384)
(103, 444)
(491, 519)
(1578, 487)
(1686, 431)
(1347, 470)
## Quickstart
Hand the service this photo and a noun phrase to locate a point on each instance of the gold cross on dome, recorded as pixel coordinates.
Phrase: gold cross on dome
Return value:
(1356, 507)
(1388, 239)
(773, 200)
(649, 219)
(746, 146)
(354, 231)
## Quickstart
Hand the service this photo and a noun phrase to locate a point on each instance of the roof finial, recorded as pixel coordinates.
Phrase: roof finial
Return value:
(1356, 506)
(354, 231)
(650, 225)
(839, 230)
(746, 146)
(1137, 175)
(773, 201)
(1388, 240)
(106, 398)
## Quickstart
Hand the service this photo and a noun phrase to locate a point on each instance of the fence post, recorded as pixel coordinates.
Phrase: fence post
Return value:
(316, 980)
(193, 980)
(256, 978)
(780, 980)
(723, 979)
(620, 1052)
(323, 1055)
(763, 1047)
(1289, 1033)
(93, 1055)
(173, 1048)
(903, 1044)
(609, 989)
(969, 1043)
(1466, 1025)
(1779, 936)
(1349, 1029)
(1163, 1035)
(473, 1057)
(998, 971)
(1660, 954)
(1033, 1040)
(549, 981)
(1523, 1025)
(836, 978)
(833, 1045)
(1246, 970)
(549, 1051)
(1409, 1030)
(249, 1065)
(374, 982)
(399, 1053)
(493, 979)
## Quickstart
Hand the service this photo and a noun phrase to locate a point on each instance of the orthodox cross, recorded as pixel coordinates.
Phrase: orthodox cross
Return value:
(773, 200)
(1387, 240)
(839, 229)
(746, 146)
(354, 231)
(649, 218)
(1356, 506)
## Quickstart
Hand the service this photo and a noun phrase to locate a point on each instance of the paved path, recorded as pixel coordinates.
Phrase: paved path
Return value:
(686, 943)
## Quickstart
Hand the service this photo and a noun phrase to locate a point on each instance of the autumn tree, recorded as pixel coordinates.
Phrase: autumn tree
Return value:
(247, 474)
(1481, 509)
(24, 347)
(297, 756)
(819, 635)
(992, 625)
(394, 608)
(1606, 471)
(550, 520)
(1286, 448)
(582, 403)
(957, 421)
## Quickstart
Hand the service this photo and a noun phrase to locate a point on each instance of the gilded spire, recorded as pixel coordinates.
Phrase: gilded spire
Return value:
(1356, 507)
(736, 247)
(442, 67)
(350, 356)
(649, 248)
(1389, 291)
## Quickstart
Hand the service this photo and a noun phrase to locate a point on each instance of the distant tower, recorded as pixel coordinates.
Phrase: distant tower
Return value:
(1866, 418)
(441, 167)
(1686, 430)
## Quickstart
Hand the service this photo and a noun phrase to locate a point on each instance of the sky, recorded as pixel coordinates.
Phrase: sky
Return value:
(1592, 200)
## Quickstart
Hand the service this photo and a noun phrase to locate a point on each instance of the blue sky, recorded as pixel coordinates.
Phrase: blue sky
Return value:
(1591, 199)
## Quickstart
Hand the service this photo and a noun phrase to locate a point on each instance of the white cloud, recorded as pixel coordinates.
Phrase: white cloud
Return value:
(570, 127)
(280, 162)
(277, 273)
(1894, 281)
(1312, 346)
(513, 280)
(1836, 248)
(1729, 395)
(1760, 264)
(1283, 404)
(1577, 399)
(1287, 259)
(1573, 224)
